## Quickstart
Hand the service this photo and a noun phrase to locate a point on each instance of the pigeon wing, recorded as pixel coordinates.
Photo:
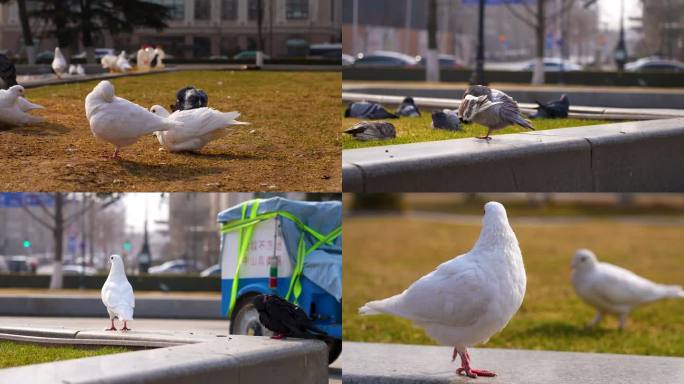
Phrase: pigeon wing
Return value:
(620, 286)
(201, 121)
(115, 295)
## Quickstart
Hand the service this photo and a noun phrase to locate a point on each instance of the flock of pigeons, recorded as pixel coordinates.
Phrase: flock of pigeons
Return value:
(147, 58)
(468, 299)
(486, 106)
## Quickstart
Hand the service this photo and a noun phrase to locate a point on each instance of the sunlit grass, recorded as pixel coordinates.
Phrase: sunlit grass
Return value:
(16, 354)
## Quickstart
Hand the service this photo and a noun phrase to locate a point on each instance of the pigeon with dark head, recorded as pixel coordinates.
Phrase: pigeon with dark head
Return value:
(491, 108)
(446, 119)
(408, 108)
(557, 109)
(189, 98)
(286, 319)
(368, 110)
(8, 74)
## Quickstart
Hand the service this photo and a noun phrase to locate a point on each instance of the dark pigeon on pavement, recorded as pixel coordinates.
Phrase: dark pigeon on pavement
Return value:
(189, 98)
(285, 319)
(8, 73)
(446, 119)
(372, 130)
(408, 108)
(368, 110)
(554, 109)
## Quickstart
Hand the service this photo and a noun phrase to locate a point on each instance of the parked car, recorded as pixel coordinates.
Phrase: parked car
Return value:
(45, 57)
(214, 270)
(325, 50)
(173, 266)
(385, 59)
(74, 269)
(347, 60)
(445, 61)
(654, 64)
(554, 65)
(249, 55)
(21, 264)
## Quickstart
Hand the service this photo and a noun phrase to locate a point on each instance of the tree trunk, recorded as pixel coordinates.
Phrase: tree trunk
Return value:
(260, 34)
(87, 32)
(538, 75)
(26, 32)
(58, 237)
(432, 59)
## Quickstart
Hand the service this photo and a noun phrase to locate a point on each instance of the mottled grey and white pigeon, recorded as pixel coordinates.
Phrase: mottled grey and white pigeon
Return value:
(468, 299)
(190, 98)
(372, 130)
(491, 108)
(408, 108)
(117, 294)
(614, 290)
(368, 110)
(446, 119)
(557, 109)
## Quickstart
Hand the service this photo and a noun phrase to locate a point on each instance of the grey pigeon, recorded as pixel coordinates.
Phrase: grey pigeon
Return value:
(446, 119)
(189, 98)
(491, 108)
(408, 108)
(372, 130)
(8, 74)
(554, 109)
(368, 110)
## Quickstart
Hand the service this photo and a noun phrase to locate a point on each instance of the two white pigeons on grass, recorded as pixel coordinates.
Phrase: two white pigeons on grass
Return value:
(200, 126)
(468, 299)
(117, 294)
(614, 290)
(13, 107)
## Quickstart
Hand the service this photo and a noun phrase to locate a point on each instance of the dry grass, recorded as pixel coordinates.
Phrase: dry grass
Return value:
(295, 145)
(384, 255)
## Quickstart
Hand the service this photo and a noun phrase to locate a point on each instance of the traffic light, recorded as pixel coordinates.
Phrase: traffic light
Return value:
(27, 244)
(127, 246)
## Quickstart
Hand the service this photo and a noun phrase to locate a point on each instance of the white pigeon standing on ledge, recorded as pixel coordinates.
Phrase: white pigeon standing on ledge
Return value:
(120, 121)
(117, 294)
(200, 126)
(468, 299)
(59, 63)
(614, 290)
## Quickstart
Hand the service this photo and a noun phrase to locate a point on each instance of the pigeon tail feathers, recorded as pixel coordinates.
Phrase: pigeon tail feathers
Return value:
(674, 291)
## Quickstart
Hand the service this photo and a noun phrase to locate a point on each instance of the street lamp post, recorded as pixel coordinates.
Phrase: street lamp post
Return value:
(478, 73)
(621, 49)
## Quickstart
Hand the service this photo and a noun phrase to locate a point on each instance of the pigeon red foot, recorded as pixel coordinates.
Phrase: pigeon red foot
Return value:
(278, 336)
(125, 328)
(112, 328)
(465, 366)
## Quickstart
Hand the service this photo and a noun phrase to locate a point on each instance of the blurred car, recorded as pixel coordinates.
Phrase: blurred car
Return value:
(45, 57)
(78, 270)
(385, 59)
(173, 266)
(654, 64)
(326, 50)
(3, 265)
(21, 264)
(214, 270)
(99, 53)
(445, 61)
(347, 60)
(249, 55)
(554, 65)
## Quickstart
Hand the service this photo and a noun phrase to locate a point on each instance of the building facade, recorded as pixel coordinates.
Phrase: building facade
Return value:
(206, 28)
(663, 28)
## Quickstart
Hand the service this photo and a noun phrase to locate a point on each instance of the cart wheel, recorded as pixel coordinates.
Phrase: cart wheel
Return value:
(245, 319)
(334, 350)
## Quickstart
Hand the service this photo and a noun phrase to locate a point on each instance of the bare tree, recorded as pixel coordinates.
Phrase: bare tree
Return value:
(537, 19)
(56, 221)
(25, 30)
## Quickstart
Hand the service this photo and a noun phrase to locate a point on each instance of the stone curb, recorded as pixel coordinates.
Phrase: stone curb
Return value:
(632, 156)
(368, 363)
(51, 305)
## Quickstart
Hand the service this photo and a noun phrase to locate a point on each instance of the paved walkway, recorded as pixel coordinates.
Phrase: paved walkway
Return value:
(395, 363)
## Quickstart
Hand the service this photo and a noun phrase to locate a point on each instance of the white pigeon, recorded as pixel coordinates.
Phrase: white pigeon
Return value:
(468, 299)
(72, 69)
(143, 60)
(614, 290)
(117, 294)
(122, 63)
(80, 70)
(120, 121)
(13, 107)
(108, 61)
(59, 63)
(200, 126)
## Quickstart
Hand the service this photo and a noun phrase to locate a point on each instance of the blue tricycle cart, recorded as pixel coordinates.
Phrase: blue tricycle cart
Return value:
(284, 247)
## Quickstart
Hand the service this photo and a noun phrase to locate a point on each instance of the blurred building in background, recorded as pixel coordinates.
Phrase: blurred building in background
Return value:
(663, 27)
(206, 28)
(400, 25)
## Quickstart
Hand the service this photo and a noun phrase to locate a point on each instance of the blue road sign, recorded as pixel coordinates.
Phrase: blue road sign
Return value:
(17, 199)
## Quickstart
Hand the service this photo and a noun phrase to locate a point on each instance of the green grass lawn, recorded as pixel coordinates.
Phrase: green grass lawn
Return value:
(16, 354)
(385, 255)
(418, 129)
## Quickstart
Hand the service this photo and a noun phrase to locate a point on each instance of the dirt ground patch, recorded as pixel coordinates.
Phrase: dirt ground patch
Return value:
(293, 143)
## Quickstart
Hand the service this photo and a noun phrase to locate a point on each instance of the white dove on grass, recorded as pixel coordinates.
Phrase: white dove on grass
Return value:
(614, 290)
(200, 126)
(59, 63)
(468, 299)
(109, 61)
(122, 63)
(120, 121)
(13, 107)
(117, 294)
